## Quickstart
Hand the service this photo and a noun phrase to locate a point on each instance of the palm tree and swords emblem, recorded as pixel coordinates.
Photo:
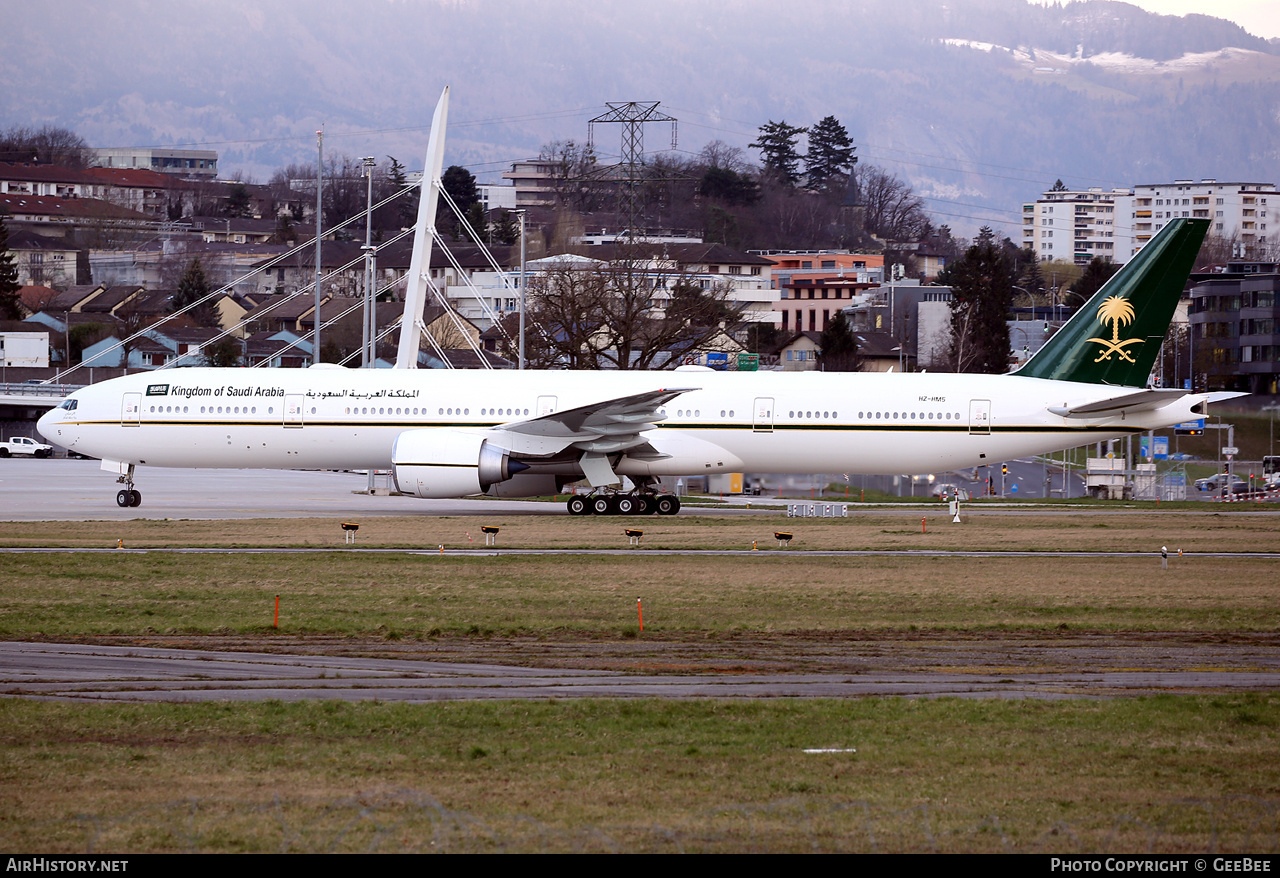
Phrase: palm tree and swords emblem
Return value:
(1117, 311)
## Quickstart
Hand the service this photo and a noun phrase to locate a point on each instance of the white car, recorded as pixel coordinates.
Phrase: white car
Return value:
(24, 445)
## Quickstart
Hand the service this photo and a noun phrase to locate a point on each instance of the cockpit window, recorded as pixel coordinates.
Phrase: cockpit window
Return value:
(69, 404)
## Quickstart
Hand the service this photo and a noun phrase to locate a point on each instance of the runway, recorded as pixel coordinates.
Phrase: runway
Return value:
(88, 673)
(78, 490)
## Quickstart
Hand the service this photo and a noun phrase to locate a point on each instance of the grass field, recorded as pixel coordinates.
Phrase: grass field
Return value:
(1200, 528)
(1158, 774)
(1167, 773)
(399, 596)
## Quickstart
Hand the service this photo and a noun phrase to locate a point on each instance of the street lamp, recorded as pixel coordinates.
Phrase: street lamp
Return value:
(370, 330)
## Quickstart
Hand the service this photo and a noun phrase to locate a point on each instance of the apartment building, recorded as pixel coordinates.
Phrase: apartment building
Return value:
(1238, 210)
(1075, 225)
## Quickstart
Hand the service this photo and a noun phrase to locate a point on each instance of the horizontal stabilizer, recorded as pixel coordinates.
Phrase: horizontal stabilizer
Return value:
(1141, 401)
(1224, 395)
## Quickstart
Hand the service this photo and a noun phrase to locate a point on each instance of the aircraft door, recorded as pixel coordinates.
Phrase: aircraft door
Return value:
(131, 410)
(979, 417)
(547, 405)
(762, 417)
(293, 410)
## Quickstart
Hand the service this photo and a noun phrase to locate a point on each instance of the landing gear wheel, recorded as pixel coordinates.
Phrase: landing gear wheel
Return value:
(626, 505)
(644, 504)
(135, 498)
(668, 504)
(124, 499)
(578, 506)
(601, 506)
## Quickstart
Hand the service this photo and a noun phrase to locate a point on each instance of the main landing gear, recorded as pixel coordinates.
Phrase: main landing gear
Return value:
(129, 497)
(624, 504)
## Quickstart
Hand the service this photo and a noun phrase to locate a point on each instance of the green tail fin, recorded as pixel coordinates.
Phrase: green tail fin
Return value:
(1115, 337)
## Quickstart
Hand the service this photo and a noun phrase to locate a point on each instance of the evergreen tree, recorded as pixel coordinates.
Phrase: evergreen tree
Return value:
(506, 230)
(830, 157)
(406, 206)
(193, 287)
(839, 346)
(1033, 278)
(981, 283)
(222, 354)
(777, 145)
(478, 219)
(238, 202)
(461, 186)
(10, 302)
(724, 184)
(1058, 186)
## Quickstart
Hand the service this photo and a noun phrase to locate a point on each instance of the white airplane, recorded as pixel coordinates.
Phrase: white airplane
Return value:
(529, 433)
(511, 434)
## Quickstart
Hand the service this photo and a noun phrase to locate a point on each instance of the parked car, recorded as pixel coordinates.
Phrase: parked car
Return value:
(1218, 481)
(24, 445)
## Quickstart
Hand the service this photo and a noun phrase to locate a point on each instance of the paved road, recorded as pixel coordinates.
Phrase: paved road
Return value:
(143, 674)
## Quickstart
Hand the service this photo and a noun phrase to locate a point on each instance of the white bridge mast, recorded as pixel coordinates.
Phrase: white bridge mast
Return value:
(415, 294)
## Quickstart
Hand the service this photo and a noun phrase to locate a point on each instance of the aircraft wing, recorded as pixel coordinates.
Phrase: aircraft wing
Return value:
(604, 427)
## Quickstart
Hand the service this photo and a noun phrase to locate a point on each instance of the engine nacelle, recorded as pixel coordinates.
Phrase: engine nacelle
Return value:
(440, 463)
(527, 485)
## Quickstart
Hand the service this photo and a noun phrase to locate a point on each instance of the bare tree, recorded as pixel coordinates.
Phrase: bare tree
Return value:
(574, 175)
(628, 314)
(47, 144)
(718, 154)
(892, 210)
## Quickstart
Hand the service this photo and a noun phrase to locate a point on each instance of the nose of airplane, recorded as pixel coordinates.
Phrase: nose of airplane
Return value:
(47, 426)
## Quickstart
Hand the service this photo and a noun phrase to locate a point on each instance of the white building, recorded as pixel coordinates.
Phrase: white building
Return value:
(1075, 225)
(183, 162)
(1238, 211)
(495, 196)
(534, 182)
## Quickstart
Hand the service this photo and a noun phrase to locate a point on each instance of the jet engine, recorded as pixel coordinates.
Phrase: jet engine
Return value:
(443, 463)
